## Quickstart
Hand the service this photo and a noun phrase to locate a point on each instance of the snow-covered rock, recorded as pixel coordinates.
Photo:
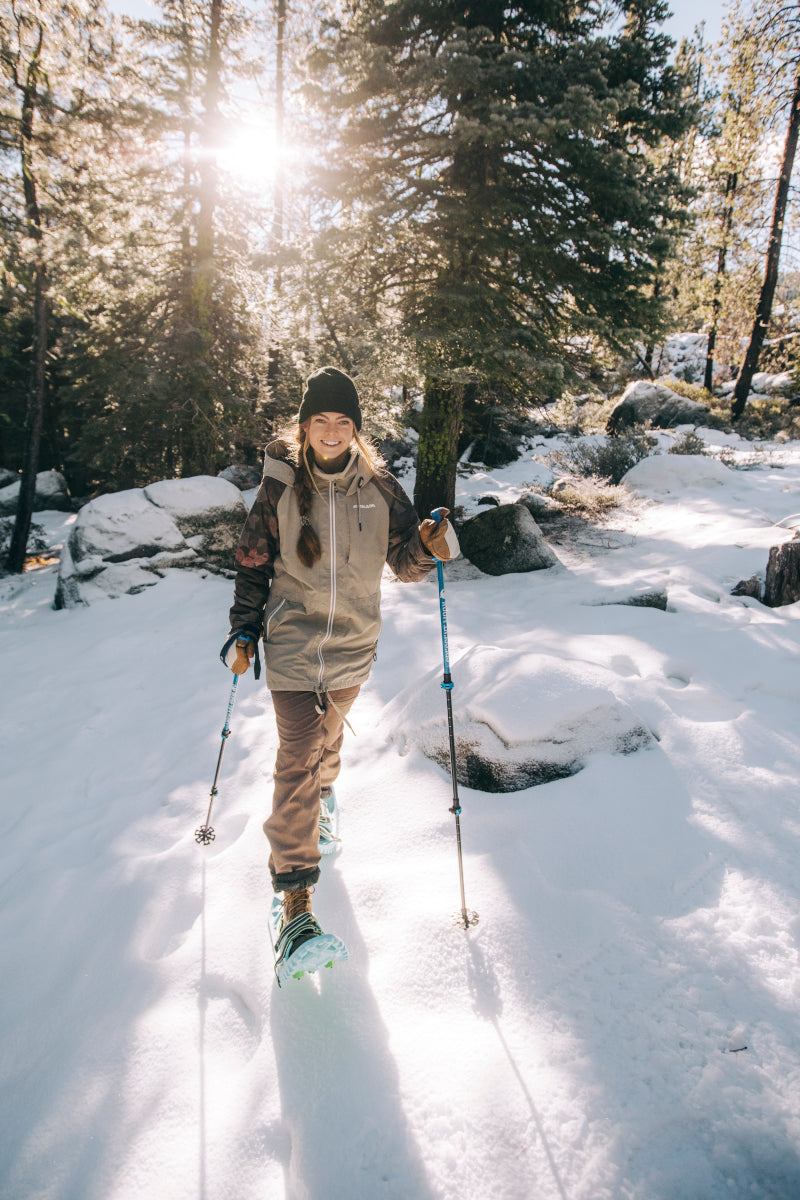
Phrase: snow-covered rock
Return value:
(52, 494)
(242, 475)
(782, 384)
(683, 356)
(125, 541)
(763, 386)
(505, 539)
(208, 511)
(644, 401)
(667, 473)
(522, 719)
(121, 526)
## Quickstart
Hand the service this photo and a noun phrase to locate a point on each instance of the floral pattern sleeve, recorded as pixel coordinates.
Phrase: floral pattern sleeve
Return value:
(259, 546)
(406, 554)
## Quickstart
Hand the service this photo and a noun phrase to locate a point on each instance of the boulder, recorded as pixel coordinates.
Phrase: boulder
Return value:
(643, 401)
(748, 587)
(208, 511)
(126, 541)
(523, 718)
(242, 476)
(122, 526)
(505, 539)
(541, 507)
(683, 356)
(52, 494)
(783, 384)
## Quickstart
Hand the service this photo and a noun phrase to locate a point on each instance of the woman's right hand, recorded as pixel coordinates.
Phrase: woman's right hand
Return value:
(244, 652)
(238, 652)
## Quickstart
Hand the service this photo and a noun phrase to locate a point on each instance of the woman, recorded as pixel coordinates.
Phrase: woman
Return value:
(325, 520)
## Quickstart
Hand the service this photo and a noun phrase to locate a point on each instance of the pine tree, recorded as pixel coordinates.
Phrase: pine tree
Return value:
(174, 375)
(498, 161)
(776, 32)
(54, 109)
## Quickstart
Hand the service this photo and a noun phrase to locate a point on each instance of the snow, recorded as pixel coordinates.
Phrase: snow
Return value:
(621, 1025)
(524, 715)
(183, 498)
(120, 524)
(664, 474)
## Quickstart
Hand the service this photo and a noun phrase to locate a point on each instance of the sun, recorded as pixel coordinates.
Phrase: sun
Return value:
(252, 155)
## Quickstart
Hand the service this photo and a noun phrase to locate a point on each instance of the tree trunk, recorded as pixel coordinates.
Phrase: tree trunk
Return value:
(764, 309)
(34, 420)
(199, 421)
(437, 451)
(722, 257)
(782, 585)
(37, 389)
(274, 352)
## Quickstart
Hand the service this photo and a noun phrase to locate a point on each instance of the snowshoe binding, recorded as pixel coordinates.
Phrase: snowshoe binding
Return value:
(329, 839)
(300, 945)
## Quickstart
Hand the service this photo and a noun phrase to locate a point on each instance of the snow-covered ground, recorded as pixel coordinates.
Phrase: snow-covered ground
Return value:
(621, 1025)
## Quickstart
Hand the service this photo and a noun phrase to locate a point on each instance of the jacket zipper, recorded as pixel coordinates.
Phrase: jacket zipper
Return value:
(329, 630)
(272, 615)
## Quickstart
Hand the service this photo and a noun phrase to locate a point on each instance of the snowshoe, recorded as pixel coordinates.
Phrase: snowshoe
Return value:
(300, 945)
(329, 839)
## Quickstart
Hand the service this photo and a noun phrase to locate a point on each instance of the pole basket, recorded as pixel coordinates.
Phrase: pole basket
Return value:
(466, 918)
(205, 835)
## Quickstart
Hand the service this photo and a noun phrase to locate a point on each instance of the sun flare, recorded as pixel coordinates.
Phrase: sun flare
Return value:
(253, 155)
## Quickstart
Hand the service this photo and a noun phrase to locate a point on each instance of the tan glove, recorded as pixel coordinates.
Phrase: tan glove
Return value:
(244, 651)
(439, 537)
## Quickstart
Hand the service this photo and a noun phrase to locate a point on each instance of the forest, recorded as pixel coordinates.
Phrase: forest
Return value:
(475, 209)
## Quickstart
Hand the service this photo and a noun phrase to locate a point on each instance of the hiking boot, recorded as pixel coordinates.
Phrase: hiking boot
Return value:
(300, 944)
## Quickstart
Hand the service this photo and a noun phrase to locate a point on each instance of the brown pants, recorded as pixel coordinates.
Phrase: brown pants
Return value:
(308, 760)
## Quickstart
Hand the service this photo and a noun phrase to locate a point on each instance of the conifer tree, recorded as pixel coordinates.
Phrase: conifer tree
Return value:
(54, 110)
(775, 30)
(497, 160)
(188, 327)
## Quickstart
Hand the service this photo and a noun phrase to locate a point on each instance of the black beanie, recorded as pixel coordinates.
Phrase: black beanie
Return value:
(330, 390)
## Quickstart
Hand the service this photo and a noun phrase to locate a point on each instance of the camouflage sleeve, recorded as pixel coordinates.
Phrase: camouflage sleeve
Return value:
(258, 548)
(406, 555)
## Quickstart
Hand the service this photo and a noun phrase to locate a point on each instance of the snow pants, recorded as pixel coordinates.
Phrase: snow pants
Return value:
(308, 760)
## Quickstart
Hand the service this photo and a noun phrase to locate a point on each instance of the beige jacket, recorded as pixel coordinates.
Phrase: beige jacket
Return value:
(320, 624)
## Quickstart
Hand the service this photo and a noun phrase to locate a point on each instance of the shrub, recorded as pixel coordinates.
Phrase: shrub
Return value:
(688, 443)
(609, 460)
(762, 420)
(587, 497)
(692, 391)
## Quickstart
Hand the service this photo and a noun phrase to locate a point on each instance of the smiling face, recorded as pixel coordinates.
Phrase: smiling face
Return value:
(329, 436)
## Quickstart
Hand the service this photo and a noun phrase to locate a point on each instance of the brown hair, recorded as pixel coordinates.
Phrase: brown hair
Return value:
(294, 442)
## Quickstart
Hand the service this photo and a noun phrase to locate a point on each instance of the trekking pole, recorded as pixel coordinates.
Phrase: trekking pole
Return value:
(465, 917)
(205, 834)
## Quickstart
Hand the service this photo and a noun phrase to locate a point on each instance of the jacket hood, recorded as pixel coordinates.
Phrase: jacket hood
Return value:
(279, 464)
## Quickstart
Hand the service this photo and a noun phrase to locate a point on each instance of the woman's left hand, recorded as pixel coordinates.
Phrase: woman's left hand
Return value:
(439, 537)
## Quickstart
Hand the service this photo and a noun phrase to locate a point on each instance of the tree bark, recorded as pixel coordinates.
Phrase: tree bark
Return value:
(37, 391)
(782, 584)
(274, 352)
(727, 221)
(199, 423)
(437, 451)
(764, 308)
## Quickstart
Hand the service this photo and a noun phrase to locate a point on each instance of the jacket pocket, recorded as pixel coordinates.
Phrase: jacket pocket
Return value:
(274, 618)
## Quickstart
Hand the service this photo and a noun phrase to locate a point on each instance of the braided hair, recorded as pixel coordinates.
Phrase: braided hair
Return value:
(301, 455)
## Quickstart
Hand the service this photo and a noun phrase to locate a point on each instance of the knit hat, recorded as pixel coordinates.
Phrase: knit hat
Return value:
(330, 390)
